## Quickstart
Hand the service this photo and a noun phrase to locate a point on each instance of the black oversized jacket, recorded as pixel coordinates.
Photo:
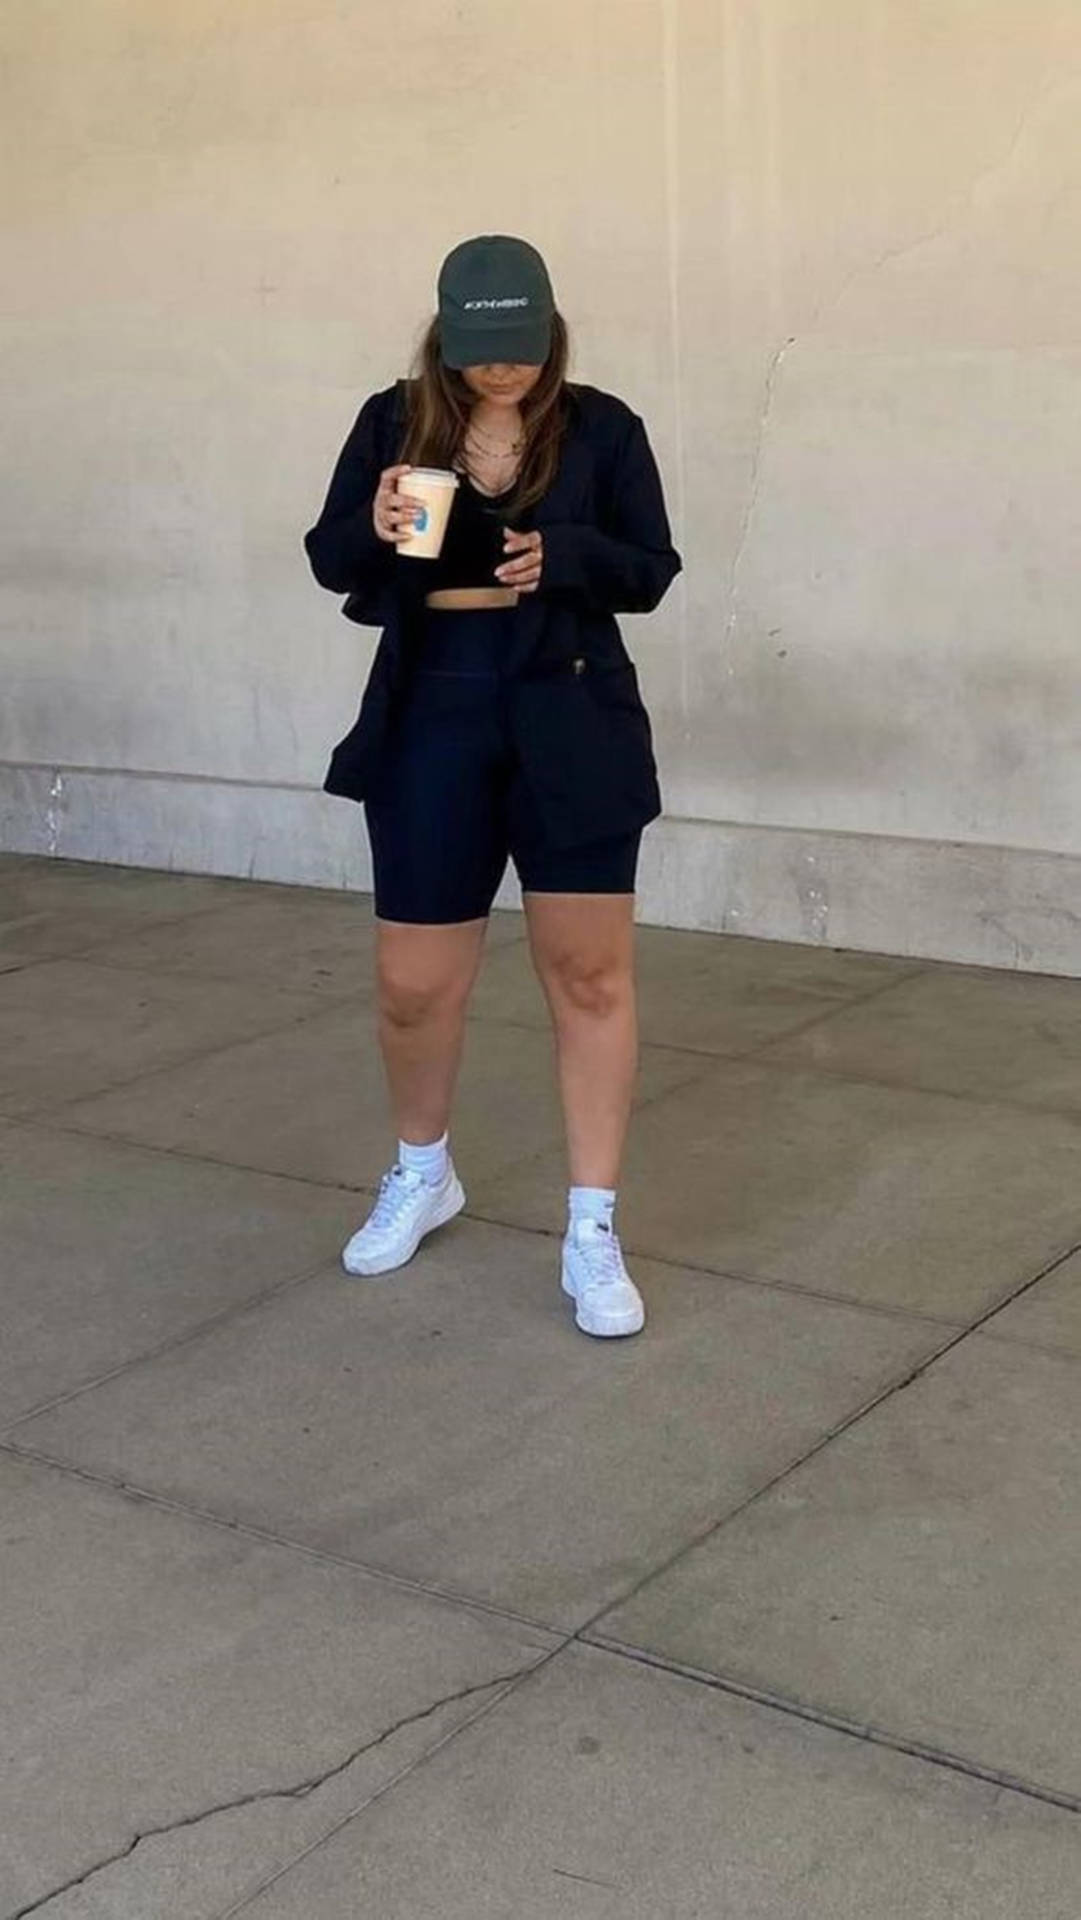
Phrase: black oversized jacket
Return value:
(579, 726)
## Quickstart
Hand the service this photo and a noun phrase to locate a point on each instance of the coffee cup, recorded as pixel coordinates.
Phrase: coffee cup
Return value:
(434, 488)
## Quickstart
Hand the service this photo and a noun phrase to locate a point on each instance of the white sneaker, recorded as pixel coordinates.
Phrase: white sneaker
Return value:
(406, 1209)
(608, 1302)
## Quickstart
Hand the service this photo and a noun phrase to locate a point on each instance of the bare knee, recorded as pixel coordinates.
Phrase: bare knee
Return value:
(409, 1001)
(597, 988)
(425, 974)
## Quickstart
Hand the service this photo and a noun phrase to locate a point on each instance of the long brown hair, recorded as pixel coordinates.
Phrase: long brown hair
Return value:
(438, 404)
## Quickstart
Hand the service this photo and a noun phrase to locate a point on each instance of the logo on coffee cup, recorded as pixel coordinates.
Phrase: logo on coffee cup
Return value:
(420, 524)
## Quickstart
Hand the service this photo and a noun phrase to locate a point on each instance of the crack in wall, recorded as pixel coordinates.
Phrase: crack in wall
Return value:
(754, 483)
(300, 1791)
(812, 893)
(52, 812)
(961, 205)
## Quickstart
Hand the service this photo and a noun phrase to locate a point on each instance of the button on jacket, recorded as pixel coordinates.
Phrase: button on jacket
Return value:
(573, 704)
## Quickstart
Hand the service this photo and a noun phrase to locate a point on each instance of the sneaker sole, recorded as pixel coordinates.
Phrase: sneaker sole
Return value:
(370, 1269)
(611, 1326)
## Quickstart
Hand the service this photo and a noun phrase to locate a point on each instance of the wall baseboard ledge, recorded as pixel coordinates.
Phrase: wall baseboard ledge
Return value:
(934, 900)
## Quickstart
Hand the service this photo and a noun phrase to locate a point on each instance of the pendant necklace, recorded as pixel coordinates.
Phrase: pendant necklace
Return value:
(499, 449)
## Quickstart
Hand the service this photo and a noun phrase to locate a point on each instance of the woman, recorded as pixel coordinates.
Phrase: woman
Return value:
(501, 716)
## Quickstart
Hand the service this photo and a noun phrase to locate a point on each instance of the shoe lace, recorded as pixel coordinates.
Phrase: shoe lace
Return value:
(599, 1245)
(396, 1189)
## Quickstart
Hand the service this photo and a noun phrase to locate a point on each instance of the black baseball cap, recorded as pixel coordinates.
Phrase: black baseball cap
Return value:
(495, 303)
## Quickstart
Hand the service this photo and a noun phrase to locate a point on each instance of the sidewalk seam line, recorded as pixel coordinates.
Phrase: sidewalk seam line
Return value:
(266, 1536)
(836, 1722)
(170, 1344)
(907, 1379)
(318, 1011)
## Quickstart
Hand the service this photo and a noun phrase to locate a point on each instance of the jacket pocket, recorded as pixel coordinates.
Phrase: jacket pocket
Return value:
(613, 685)
(586, 746)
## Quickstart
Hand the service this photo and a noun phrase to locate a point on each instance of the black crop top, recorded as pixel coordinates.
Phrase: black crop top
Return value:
(473, 542)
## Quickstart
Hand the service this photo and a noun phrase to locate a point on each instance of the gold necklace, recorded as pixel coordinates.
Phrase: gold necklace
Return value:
(493, 459)
(511, 446)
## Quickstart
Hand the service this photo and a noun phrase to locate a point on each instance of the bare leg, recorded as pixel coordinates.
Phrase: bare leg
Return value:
(425, 977)
(583, 950)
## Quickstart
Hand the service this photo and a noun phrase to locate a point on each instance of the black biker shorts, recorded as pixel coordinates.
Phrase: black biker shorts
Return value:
(451, 805)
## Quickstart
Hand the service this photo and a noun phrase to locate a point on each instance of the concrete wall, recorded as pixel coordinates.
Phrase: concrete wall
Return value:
(829, 248)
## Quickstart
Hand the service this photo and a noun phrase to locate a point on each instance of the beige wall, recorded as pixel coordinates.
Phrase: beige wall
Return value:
(829, 248)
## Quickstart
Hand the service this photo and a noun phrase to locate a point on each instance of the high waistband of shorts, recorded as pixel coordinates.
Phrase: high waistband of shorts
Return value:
(469, 640)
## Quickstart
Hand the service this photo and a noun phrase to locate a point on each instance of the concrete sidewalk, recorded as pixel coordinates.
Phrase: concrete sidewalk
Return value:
(326, 1598)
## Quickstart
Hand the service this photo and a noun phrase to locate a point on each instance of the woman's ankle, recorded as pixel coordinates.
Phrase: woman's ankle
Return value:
(430, 1159)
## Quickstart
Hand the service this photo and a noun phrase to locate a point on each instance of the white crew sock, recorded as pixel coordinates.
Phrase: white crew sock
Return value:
(430, 1162)
(591, 1203)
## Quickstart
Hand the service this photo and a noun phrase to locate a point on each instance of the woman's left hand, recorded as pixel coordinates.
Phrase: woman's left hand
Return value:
(524, 569)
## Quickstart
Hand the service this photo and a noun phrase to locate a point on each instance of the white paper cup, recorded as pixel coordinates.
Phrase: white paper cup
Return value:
(434, 488)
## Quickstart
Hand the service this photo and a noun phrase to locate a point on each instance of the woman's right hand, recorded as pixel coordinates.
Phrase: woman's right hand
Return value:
(393, 513)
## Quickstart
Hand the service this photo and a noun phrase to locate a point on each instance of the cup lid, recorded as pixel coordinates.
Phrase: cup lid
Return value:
(441, 475)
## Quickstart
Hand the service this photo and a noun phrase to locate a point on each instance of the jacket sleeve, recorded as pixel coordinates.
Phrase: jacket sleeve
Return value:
(629, 566)
(345, 552)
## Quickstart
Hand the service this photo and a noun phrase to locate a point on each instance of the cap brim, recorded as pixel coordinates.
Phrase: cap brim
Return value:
(495, 346)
